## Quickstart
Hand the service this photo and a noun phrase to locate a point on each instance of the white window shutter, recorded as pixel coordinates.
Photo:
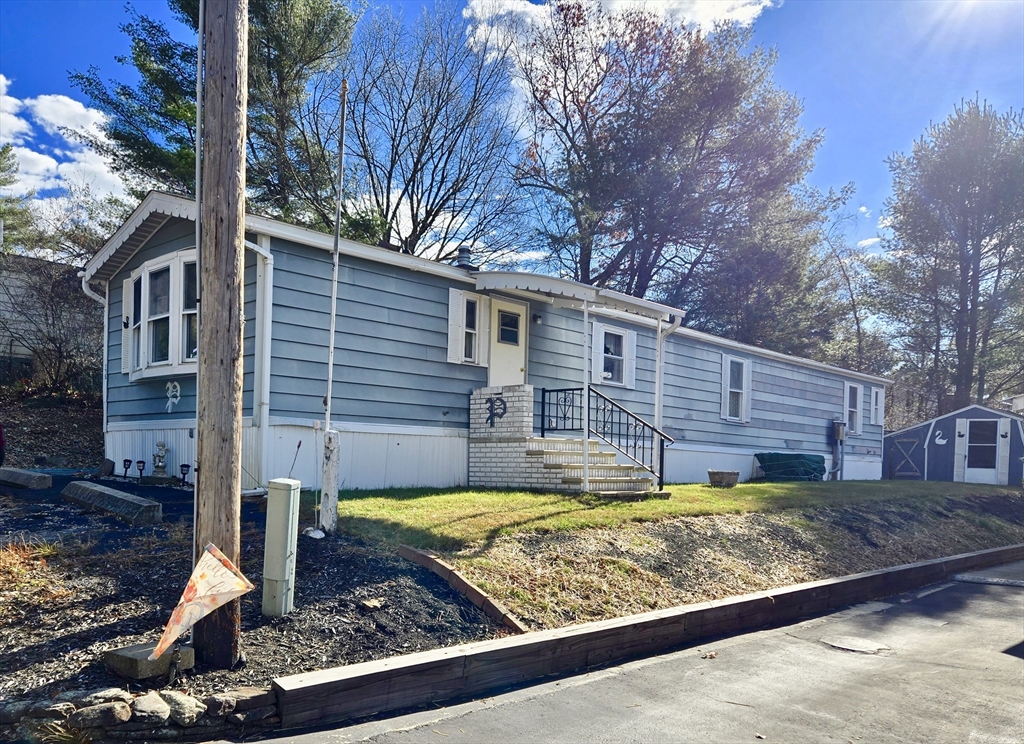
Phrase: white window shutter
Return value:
(748, 392)
(725, 385)
(483, 324)
(960, 450)
(597, 354)
(1003, 452)
(630, 372)
(878, 405)
(456, 324)
(126, 326)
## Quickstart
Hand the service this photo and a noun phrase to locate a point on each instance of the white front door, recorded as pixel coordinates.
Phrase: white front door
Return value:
(508, 343)
(982, 451)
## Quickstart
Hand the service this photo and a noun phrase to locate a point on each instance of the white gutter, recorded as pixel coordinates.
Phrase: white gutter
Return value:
(659, 368)
(261, 417)
(106, 331)
(586, 396)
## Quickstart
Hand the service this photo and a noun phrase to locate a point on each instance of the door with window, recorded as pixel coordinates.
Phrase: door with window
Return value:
(982, 451)
(508, 343)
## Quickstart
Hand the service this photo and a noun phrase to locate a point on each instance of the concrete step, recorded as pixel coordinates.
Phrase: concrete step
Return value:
(597, 472)
(565, 445)
(612, 484)
(632, 495)
(562, 457)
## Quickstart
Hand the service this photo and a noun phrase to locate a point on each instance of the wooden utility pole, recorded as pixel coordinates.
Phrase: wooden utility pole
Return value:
(219, 407)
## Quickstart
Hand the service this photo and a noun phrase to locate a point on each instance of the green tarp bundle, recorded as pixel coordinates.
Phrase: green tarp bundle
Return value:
(778, 466)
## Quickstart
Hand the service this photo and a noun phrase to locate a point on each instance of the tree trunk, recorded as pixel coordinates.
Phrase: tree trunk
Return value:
(219, 409)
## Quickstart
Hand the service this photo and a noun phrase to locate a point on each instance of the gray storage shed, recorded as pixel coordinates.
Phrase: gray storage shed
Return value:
(973, 445)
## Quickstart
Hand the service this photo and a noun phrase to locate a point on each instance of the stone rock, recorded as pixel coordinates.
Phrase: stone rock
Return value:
(253, 715)
(106, 468)
(219, 704)
(248, 698)
(106, 695)
(47, 709)
(185, 709)
(151, 708)
(99, 716)
(158, 733)
(12, 711)
(133, 661)
(74, 696)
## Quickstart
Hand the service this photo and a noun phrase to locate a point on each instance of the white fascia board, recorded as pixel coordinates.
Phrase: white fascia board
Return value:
(314, 239)
(778, 356)
(155, 201)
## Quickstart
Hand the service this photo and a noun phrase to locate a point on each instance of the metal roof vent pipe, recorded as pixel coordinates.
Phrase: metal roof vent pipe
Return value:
(464, 259)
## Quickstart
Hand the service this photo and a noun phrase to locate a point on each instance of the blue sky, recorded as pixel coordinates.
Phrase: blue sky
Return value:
(871, 73)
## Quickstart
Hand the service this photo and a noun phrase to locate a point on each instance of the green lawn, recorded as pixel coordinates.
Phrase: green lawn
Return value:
(453, 519)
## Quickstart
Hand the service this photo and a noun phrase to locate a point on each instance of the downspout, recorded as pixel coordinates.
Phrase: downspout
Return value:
(586, 396)
(266, 329)
(105, 301)
(659, 384)
(659, 378)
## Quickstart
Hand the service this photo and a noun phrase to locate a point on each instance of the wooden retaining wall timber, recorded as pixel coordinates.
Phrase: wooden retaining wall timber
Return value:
(342, 693)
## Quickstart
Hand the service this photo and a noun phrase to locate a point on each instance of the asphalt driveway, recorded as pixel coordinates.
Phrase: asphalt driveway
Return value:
(942, 664)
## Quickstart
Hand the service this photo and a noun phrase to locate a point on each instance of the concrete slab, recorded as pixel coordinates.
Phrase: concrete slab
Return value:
(133, 661)
(24, 479)
(127, 507)
(1010, 574)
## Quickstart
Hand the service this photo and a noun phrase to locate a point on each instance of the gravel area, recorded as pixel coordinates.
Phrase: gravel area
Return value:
(112, 585)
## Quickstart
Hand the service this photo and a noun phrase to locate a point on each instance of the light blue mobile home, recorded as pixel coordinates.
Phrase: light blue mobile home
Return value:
(414, 339)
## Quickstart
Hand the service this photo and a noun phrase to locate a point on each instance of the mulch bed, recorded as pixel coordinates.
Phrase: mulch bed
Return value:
(114, 585)
(52, 432)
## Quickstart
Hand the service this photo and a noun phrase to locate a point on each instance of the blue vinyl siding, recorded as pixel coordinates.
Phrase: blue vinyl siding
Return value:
(146, 400)
(390, 358)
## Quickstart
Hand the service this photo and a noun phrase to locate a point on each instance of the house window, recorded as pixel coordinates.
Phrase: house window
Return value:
(469, 353)
(878, 406)
(613, 357)
(161, 317)
(508, 328)
(853, 396)
(735, 389)
(469, 327)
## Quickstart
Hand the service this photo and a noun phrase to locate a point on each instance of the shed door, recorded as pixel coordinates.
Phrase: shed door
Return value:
(982, 451)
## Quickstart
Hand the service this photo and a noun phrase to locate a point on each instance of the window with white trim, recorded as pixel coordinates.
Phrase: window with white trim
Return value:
(853, 395)
(160, 317)
(736, 382)
(878, 406)
(613, 358)
(468, 327)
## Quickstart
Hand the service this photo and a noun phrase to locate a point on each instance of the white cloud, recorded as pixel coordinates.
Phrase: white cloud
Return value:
(884, 222)
(705, 13)
(868, 242)
(13, 128)
(48, 159)
(865, 212)
(55, 112)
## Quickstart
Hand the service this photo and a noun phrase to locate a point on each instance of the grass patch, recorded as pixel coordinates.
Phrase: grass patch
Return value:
(458, 518)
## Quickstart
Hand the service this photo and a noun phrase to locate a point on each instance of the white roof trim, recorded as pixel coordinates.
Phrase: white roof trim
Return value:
(171, 205)
(1010, 414)
(569, 290)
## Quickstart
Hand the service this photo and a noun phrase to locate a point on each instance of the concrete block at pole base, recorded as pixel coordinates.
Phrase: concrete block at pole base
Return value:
(135, 510)
(24, 479)
(280, 546)
(329, 492)
(133, 661)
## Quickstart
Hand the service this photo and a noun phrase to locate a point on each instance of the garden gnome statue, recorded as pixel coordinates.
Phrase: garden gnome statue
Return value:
(160, 461)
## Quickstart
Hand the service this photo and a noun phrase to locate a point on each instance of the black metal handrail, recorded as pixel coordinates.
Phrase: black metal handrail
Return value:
(561, 409)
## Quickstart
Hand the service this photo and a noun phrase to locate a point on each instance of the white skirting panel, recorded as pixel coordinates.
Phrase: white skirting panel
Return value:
(692, 465)
(138, 442)
(371, 459)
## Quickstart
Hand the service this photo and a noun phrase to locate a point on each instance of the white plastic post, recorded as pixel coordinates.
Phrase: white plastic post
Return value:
(329, 490)
(280, 547)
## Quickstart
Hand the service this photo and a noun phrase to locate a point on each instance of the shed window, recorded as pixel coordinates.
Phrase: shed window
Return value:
(161, 317)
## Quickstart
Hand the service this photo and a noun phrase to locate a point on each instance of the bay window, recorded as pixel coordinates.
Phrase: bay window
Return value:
(160, 317)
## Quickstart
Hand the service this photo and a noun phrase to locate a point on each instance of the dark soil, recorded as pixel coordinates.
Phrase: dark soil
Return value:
(112, 585)
(52, 432)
